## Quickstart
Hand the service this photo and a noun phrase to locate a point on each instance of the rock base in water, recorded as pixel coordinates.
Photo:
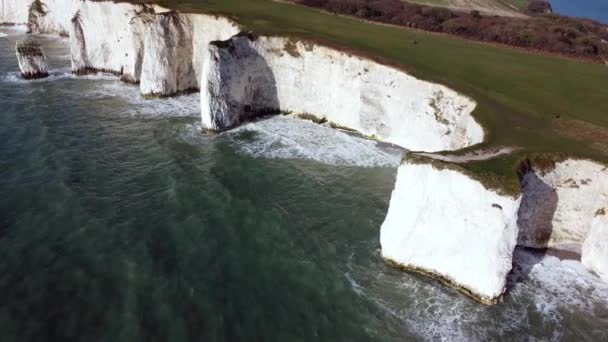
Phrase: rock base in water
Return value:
(445, 224)
(32, 61)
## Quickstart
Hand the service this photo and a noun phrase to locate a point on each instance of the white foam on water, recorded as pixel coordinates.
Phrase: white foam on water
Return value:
(556, 284)
(109, 86)
(3, 35)
(137, 105)
(54, 75)
(11, 30)
(283, 137)
(545, 295)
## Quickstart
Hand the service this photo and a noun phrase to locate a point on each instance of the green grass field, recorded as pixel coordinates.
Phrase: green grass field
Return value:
(517, 92)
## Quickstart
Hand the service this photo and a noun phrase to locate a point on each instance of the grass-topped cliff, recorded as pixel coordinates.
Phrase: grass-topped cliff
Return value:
(540, 103)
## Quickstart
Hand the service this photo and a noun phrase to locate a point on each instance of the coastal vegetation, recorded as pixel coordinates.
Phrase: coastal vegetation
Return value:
(551, 33)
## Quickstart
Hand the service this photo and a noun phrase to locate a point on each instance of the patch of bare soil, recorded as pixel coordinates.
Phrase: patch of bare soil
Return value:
(583, 130)
(482, 154)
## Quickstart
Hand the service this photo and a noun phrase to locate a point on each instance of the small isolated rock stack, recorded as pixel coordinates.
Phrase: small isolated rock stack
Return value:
(32, 61)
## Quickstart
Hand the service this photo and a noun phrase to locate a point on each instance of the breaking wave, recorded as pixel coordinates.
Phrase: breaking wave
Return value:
(137, 105)
(54, 75)
(283, 137)
(108, 86)
(544, 293)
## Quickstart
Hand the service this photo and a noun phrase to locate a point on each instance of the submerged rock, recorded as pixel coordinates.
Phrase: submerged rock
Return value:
(32, 61)
(445, 224)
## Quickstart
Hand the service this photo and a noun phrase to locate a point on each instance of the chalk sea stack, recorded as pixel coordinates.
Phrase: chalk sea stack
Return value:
(32, 61)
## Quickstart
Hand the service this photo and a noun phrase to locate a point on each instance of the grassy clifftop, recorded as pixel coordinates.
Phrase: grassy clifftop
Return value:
(518, 93)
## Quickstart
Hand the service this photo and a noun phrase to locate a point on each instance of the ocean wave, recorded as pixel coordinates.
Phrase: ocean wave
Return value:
(110, 86)
(282, 137)
(545, 295)
(54, 75)
(175, 106)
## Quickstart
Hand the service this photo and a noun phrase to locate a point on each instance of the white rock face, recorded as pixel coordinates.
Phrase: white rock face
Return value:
(32, 61)
(14, 11)
(162, 50)
(104, 36)
(246, 75)
(559, 205)
(51, 16)
(595, 248)
(174, 47)
(445, 223)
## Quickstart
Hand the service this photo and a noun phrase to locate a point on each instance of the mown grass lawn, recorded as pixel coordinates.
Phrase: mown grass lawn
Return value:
(518, 93)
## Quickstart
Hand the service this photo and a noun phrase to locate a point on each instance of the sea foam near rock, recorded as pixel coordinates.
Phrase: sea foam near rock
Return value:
(282, 137)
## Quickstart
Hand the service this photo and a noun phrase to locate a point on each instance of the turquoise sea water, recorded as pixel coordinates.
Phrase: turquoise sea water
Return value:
(120, 221)
(592, 9)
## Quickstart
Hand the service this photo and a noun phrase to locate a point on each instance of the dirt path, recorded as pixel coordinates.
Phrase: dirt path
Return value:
(488, 7)
(476, 155)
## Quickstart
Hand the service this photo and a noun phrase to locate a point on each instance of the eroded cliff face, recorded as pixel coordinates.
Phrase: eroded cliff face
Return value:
(595, 248)
(565, 207)
(443, 223)
(248, 75)
(105, 36)
(162, 50)
(51, 16)
(559, 204)
(174, 47)
(14, 11)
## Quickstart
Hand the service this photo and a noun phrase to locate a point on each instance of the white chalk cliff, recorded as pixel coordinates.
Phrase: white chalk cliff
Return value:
(246, 75)
(565, 207)
(105, 36)
(174, 48)
(560, 203)
(162, 50)
(442, 222)
(51, 16)
(595, 247)
(14, 11)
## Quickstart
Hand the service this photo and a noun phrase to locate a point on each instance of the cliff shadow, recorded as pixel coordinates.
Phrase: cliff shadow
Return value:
(534, 222)
(253, 93)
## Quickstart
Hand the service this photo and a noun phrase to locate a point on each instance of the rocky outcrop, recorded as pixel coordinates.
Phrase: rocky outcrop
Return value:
(14, 11)
(174, 47)
(105, 36)
(51, 16)
(564, 207)
(248, 75)
(443, 223)
(32, 61)
(162, 50)
(595, 248)
(560, 203)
